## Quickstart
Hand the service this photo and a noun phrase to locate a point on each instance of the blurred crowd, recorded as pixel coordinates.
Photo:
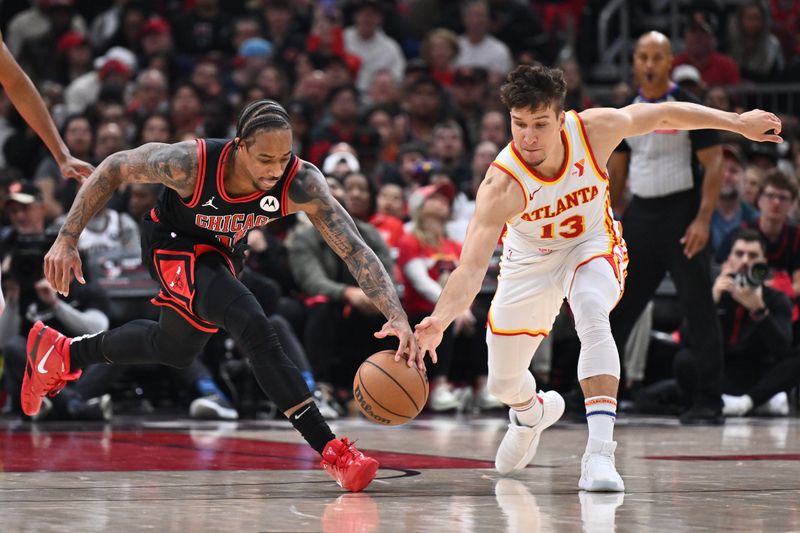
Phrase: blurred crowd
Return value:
(397, 103)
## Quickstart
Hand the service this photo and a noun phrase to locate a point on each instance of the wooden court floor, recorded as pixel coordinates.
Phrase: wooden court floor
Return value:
(175, 475)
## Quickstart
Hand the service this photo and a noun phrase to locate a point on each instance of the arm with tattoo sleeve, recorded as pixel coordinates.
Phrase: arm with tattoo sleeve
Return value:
(174, 165)
(310, 193)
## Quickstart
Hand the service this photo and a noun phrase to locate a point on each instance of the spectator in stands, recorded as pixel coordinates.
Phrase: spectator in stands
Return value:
(389, 214)
(494, 128)
(448, 148)
(760, 364)
(753, 176)
(151, 94)
(300, 113)
(343, 125)
(424, 106)
(37, 54)
(204, 28)
(74, 57)
(384, 89)
(273, 82)
(477, 47)
(57, 191)
(521, 28)
(777, 195)
(155, 128)
(439, 50)
(129, 31)
(282, 32)
(30, 297)
(366, 40)
(731, 212)
(700, 51)
(687, 77)
(110, 139)
(464, 206)
(427, 257)
(577, 96)
(187, 111)
(313, 88)
(112, 70)
(469, 91)
(762, 156)
(142, 198)
(30, 107)
(381, 118)
(34, 22)
(718, 97)
(754, 48)
(253, 55)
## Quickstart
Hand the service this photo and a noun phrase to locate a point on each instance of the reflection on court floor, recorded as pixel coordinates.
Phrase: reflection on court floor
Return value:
(437, 474)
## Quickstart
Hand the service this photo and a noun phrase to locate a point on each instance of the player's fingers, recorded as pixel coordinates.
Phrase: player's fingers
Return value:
(58, 274)
(48, 269)
(79, 272)
(66, 277)
(434, 357)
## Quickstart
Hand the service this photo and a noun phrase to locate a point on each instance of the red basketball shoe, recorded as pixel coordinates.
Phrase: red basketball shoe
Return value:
(351, 469)
(47, 367)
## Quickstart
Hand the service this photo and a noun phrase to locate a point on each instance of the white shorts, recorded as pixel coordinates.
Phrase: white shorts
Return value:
(530, 291)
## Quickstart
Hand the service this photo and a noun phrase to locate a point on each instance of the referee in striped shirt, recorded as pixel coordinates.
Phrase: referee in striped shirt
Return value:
(675, 181)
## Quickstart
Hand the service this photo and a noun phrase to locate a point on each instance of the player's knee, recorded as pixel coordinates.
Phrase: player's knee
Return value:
(602, 361)
(177, 352)
(508, 390)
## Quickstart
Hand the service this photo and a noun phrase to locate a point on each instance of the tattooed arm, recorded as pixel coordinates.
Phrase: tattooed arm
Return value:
(309, 192)
(174, 165)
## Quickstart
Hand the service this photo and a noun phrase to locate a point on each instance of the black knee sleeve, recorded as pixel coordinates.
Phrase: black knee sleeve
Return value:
(256, 337)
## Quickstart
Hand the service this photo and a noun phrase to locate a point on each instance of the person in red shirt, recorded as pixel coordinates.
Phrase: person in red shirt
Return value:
(715, 68)
(427, 257)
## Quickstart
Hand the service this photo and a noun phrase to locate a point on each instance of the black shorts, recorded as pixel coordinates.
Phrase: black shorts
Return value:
(171, 260)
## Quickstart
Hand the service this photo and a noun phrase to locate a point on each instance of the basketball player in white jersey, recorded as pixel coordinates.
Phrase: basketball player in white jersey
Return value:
(549, 189)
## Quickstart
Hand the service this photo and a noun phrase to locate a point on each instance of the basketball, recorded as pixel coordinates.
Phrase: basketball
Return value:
(388, 392)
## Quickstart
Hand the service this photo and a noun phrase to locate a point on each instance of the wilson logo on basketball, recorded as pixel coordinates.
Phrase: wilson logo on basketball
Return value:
(366, 408)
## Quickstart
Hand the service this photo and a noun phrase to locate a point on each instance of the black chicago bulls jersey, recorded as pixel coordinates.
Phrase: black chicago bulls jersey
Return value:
(211, 216)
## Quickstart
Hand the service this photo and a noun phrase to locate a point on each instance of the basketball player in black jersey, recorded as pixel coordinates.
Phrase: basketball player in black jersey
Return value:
(216, 191)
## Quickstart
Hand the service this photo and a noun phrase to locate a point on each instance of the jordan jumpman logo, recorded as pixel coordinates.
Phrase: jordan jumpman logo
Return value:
(210, 203)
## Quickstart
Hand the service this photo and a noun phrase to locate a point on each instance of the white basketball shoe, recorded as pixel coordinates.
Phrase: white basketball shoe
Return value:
(519, 445)
(598, 471)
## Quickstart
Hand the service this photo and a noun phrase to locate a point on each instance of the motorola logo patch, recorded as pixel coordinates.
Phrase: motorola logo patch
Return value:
(270, 204)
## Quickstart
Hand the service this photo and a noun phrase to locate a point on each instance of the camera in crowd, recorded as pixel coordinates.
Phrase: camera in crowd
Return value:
(753, 277)
(27, 260)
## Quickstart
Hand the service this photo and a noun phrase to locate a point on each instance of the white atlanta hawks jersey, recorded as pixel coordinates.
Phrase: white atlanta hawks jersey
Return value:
(564, 210)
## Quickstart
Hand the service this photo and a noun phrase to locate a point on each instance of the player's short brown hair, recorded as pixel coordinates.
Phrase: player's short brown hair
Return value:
(534, 87)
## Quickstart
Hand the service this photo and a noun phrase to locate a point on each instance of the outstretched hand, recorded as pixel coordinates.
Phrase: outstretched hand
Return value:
(758, 125)
(429, 334)
(76, 169)
(408, 344)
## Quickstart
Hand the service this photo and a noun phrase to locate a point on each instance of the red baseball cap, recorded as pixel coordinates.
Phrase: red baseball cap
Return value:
(70, 40)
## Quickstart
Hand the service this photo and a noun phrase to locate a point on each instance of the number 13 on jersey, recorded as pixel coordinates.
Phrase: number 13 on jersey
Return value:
(569, 228)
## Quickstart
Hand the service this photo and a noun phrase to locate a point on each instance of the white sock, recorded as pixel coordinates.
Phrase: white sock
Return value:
(601, 412)
(530, 414)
